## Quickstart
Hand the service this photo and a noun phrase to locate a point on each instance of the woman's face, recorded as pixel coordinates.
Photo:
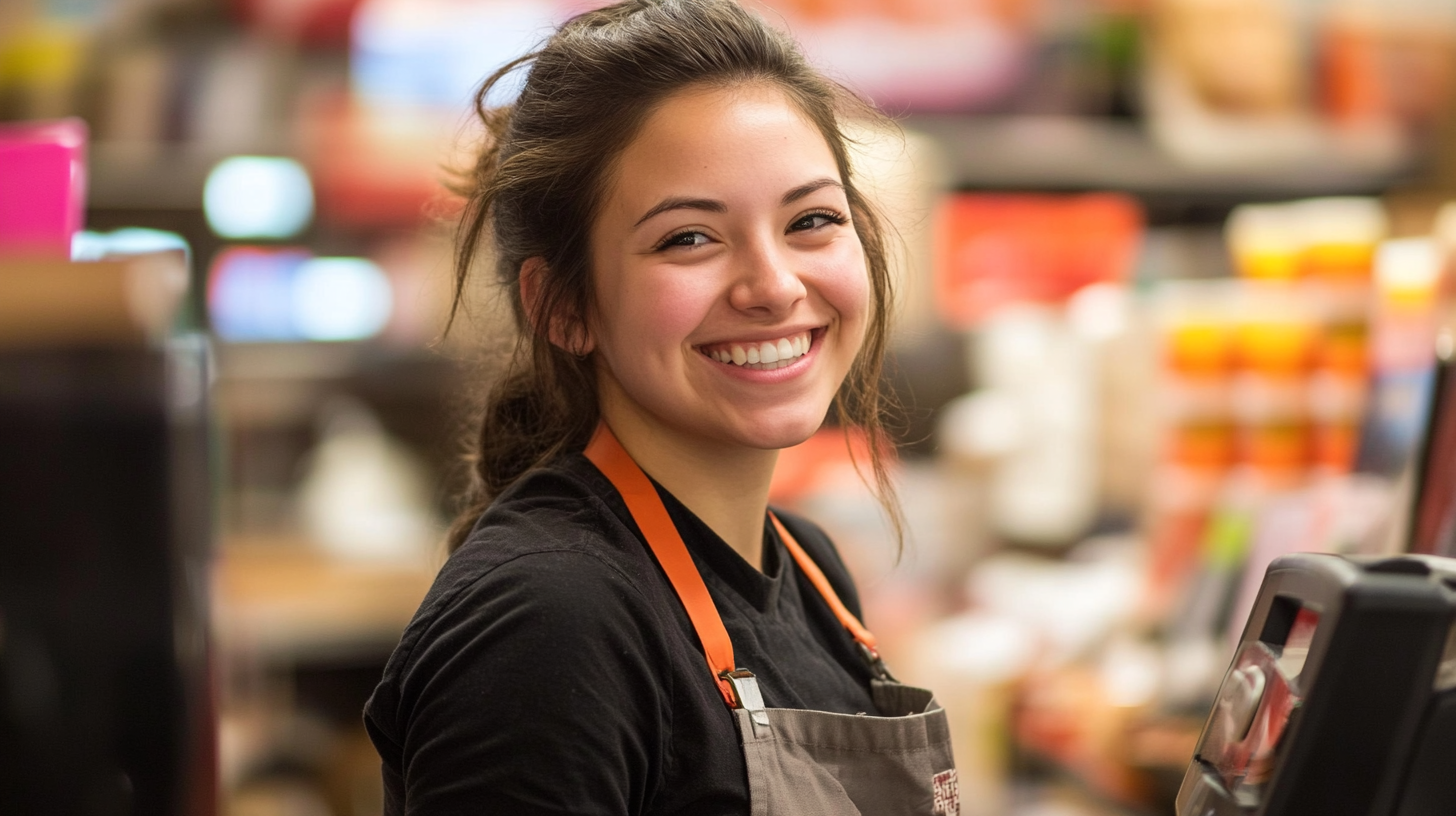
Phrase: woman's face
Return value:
(731, 288)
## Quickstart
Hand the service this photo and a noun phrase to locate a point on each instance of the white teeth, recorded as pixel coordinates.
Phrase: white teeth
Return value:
(768, 355)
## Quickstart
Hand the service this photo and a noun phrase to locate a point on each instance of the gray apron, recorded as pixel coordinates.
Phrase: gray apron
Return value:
(800, 762)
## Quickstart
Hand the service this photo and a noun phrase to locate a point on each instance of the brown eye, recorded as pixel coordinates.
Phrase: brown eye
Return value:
(684, 239)
(816, 220)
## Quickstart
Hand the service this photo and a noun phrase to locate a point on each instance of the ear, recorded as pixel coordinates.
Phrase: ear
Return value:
(563, 332)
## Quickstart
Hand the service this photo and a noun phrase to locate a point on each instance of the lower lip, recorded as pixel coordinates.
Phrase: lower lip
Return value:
(780, 374)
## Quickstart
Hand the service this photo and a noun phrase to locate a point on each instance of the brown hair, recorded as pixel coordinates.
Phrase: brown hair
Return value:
(538, 182)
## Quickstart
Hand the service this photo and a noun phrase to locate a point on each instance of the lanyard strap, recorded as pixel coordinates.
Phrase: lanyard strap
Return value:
(667, 545)
(816, 577)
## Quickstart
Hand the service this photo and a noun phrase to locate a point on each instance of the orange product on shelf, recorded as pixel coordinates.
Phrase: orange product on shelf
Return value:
(1278, 448)
(1181, 498)
(993, 250)
(1207, 445)
(811, 464)
(1340, 236)
(374, 167)
(1344, 348)
(1337, 261)
(1335, 445)
(1349, 56)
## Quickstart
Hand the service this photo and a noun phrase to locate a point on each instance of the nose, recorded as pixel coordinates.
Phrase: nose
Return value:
(765, 281)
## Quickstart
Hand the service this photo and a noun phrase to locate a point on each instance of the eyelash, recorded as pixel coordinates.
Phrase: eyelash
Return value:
(667, 242)
(828, 215)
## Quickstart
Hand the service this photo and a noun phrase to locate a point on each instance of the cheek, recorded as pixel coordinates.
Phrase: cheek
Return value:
(658, 310)
(845, 285)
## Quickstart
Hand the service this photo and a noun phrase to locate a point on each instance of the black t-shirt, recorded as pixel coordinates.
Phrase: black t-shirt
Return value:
(551, 669)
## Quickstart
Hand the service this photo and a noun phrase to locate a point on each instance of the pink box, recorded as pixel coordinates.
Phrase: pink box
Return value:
(42, 187)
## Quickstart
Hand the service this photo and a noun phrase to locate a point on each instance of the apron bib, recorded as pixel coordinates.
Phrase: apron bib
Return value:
(802, 763)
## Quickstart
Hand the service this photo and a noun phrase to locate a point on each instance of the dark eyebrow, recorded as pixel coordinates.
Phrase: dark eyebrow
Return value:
(715, 206)
(804, 189)
(679, 203)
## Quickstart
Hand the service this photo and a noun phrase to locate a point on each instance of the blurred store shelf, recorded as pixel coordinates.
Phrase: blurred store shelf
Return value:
(284, 601)
(254, 362)
(1080, 153)
(981, 152)
(278, 383)
(156, 175)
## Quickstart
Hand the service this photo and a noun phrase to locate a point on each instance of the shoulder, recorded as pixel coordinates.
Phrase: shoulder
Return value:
(549, 569)
(535, 686)
(557, 517)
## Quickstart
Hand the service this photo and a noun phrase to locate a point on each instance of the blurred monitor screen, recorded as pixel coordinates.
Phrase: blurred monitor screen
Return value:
(258, 294)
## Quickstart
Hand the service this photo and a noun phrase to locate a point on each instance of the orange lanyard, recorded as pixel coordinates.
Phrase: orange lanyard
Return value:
(662, 536)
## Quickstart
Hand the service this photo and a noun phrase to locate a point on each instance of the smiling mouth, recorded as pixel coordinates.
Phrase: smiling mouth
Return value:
(766, 355)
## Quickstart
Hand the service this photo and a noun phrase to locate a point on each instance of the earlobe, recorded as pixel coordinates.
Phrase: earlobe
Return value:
(562, 331)
(580, 343)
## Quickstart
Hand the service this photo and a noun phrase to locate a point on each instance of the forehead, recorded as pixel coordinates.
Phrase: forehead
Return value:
(723, 136)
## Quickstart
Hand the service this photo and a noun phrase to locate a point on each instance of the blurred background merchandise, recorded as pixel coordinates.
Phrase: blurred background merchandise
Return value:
(1174, 273)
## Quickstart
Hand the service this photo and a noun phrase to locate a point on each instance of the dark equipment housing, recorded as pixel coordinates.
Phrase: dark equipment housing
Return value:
(1341, 697)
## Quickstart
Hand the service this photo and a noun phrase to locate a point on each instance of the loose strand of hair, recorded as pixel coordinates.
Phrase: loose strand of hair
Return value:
(478, 188)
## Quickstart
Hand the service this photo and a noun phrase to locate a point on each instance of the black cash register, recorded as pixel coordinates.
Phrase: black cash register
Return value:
(1341, 697)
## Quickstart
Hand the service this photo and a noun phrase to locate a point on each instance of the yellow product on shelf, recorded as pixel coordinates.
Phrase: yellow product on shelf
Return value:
(1264, 242)
(43, 61)
(1322, 239)
(1276, 347)
(1199, 348)
(1197, 356)
(1339, 237)
(1408, 274)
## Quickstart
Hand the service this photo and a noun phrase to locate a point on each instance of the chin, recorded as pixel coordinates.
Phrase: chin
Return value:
(778, 435)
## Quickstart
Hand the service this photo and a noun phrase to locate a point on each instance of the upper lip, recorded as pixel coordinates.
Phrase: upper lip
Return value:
(762, 336)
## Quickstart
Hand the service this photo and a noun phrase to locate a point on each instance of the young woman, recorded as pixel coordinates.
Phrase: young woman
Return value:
(624, 627)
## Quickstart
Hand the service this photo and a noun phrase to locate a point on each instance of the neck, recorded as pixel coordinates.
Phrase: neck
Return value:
(725, 485)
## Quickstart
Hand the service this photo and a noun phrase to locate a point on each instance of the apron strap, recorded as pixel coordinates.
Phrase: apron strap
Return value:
(667, 545)
(662, 536)
(816, 577)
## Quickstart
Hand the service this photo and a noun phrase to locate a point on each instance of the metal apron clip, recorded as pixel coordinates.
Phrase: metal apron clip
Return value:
(877, 664)
(747, 697)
